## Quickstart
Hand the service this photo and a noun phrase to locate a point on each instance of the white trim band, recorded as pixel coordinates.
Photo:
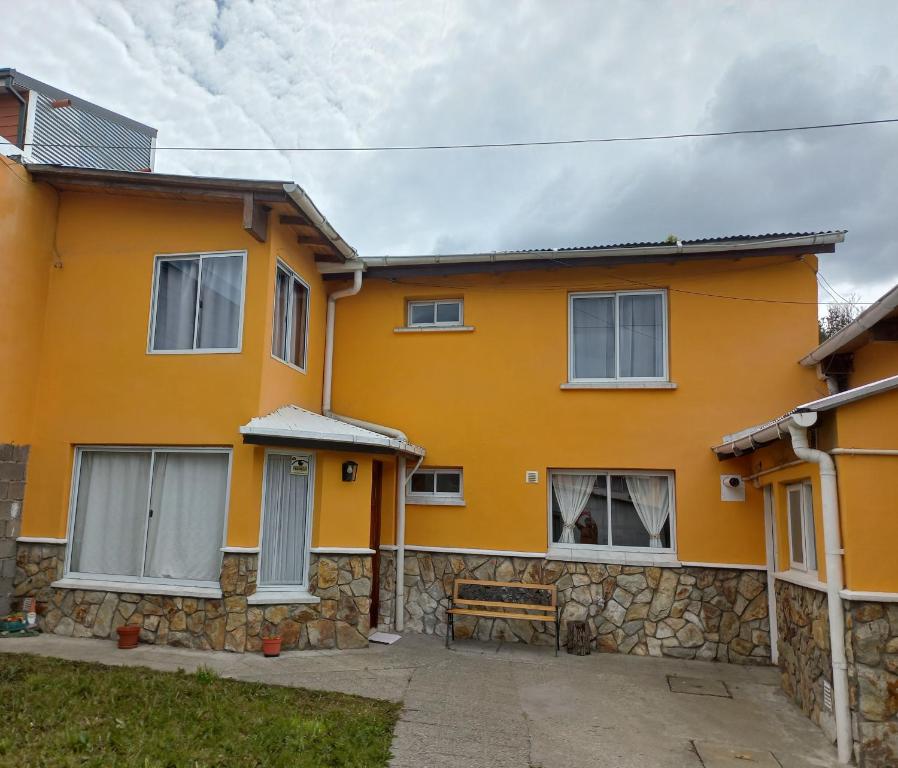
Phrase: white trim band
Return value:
(610, 557)
(464, 551)
(870, 597)
(727, 566)
(342, 551)
(619, 385)
(240, 550)
(40, 540)
(275, 597)
(136, 588)
(800, 579)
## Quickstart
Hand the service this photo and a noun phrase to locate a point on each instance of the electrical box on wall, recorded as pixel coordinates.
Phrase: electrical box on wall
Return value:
(732, 488)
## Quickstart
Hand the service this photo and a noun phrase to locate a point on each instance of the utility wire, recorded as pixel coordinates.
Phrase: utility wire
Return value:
(482, 145)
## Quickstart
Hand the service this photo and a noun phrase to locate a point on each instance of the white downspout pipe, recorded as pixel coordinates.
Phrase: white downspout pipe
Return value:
(329, 337)
(832, 538)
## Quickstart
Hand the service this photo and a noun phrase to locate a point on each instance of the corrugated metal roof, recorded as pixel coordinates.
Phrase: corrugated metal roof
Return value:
(290, 422)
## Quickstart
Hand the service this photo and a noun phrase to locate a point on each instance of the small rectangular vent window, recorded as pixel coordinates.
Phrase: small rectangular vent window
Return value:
(531, 476)
(445, 312)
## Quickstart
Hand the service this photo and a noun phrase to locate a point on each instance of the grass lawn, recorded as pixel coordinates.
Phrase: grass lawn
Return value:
(65, 713)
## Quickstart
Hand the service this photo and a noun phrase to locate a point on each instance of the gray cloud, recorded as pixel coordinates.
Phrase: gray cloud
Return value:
(279, 72)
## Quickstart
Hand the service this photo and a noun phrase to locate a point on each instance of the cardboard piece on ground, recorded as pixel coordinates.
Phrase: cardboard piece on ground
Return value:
(383, 637)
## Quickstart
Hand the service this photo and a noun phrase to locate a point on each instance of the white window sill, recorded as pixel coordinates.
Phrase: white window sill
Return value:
(285, 597)
(137, 588)
(229, 351)
(435, 329)
(294, 366)
(434, 501)
(801, 579)
(619, 385)
(612, 557)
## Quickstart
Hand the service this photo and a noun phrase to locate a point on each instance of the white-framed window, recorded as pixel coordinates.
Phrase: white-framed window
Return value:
(285, 528)
(612, 510)
(618, 336)
(437, 485)
(802, 532)
(197, 303)
(149, 515)
(290, 326)
(441, 312)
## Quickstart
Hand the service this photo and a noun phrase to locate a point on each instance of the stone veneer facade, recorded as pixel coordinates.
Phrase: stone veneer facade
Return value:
(340, 620)
(13, 463)
(686, 612)
(871, 647)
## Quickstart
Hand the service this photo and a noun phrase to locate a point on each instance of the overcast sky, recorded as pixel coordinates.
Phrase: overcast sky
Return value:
(326, 73)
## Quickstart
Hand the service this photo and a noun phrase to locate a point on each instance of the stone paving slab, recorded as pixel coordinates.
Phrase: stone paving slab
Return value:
(497, 705)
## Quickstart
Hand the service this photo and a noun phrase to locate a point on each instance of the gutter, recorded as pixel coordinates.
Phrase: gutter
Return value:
(798, 429)
(873, 314)
(678, 249)
(298, 195)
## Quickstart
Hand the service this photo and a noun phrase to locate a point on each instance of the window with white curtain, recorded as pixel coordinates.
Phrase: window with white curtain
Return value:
(155, 515)
(612, 510)
(198, 303)
(802, 531)
(289, 332)
(617, 336)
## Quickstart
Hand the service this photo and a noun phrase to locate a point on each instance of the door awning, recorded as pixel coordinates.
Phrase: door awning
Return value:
(292, 425)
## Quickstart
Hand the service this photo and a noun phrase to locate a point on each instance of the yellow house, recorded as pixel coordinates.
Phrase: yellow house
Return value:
(232, 424)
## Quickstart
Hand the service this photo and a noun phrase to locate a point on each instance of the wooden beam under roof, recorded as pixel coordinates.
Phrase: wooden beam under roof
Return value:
(255, 217)
(295, 219)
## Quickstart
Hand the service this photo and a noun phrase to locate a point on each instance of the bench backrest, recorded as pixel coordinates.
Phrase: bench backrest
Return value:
(504, 594)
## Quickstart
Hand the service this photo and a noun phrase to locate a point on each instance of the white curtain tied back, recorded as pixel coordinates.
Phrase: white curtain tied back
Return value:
(572, 493)
(651, 497)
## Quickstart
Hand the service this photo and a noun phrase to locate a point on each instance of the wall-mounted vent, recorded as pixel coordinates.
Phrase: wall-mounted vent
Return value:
(531, 476)
(827, 696)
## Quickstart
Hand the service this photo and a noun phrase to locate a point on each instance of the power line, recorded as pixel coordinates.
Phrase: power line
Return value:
(481, 145)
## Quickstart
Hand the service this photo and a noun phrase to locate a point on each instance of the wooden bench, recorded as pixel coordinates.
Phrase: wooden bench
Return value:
(503, 600)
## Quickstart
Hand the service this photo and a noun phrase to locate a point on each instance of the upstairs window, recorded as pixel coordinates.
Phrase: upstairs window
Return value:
(802, 533)
(436, 486)
(289, 333)
(198, 303)
(618, 336)
(443, 312)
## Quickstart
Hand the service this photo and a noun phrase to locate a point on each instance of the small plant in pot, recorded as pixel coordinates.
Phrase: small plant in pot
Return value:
(128, 636)
(271, 642)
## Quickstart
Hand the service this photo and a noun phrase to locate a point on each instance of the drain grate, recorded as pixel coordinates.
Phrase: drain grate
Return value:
(698, 686)
(725, 756)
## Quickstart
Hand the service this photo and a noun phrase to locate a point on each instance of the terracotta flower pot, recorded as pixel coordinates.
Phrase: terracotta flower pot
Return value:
(128, 636)
(271, 646)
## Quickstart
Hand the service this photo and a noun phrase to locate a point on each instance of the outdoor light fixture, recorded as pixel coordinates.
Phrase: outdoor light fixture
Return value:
(350, 470)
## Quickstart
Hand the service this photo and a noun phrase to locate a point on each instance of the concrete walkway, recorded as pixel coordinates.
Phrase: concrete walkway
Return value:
(509, 705)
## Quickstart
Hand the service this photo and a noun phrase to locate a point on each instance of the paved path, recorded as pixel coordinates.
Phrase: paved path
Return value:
(504, 705)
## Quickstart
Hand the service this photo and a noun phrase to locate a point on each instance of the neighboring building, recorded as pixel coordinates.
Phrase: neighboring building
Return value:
(179, 347)
(831, 527)
(51, 126)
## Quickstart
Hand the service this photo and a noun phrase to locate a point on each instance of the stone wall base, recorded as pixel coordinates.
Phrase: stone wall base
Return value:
(228, 623)
(686, 613)
(871, 646)
(13, 464)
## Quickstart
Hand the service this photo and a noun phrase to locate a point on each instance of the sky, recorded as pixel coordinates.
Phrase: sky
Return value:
(278, 73)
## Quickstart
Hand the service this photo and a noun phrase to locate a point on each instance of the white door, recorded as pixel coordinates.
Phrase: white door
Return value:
(283, 560)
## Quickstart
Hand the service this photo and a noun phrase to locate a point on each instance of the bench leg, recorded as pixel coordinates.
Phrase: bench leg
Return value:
(557, 631)
(450, 627)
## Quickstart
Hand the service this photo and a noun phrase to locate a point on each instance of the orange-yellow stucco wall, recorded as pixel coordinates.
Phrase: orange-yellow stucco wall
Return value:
(27, 228)
(874, 361)
(490, 401)
(868, 493)
(97, 384)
